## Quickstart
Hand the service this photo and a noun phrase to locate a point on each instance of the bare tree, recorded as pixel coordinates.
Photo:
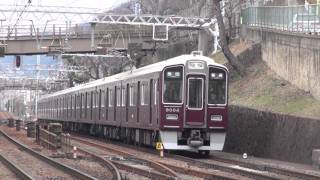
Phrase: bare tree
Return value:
(232, 59)
(96, 68)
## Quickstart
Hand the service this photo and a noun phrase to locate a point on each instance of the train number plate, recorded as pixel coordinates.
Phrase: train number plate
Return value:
(172, 110)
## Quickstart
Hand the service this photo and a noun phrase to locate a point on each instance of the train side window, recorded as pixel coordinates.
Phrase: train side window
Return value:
(67, 105)
(61, 105)
(71, 103)
(123, 98)
(155, 92)
(91, 100)
(88, 100)
(150, 98)
(102, 99)
(91, 104)
(138, 99)
(57, 105)
(118, 94)
(106, 103)
(58, 108)
(95, 103)
(97, 99)
(80, 104)
(86, 105)
(146, 93)
(127, 96)
(110, 98)
(131, 96)
(82, 101)
(75, 106)
(142, 95)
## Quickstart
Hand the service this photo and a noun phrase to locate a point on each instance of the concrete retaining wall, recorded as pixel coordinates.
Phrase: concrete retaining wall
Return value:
(294, 57)
(270, 135)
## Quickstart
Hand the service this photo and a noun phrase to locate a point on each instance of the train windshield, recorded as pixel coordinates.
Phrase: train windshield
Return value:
(172, 87)
(217, 86)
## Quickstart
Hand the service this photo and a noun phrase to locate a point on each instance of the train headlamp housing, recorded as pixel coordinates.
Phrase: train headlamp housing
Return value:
(216, 118)
(216, 76)
(171, 116)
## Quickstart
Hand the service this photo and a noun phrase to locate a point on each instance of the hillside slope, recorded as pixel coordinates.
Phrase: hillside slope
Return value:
(263, 89)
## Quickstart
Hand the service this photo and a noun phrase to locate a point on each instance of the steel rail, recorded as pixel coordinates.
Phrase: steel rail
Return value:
(175, 169)
(114, 170)
(204, 174)
(15, 169)
(141, 172)
(67, 169)
(160, 167)
(296, 173)
(232, 168)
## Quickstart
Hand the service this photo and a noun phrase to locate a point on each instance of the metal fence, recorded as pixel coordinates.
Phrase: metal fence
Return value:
(303, 19)
(49, 139)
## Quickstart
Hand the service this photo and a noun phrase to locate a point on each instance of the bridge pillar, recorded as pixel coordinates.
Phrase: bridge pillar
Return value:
(203, 41)
(93, 27)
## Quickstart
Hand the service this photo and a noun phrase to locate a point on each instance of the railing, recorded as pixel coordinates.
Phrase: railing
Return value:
(22, 32)
(299, 19)
(49, 139)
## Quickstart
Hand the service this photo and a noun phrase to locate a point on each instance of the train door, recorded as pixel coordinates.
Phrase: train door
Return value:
(195, 113)
(156, 102)
(111, 104)
(101, 105)
(95, 105)
(91, 105)
(127, 103)
(107, 104)
(138, 102)
(123, 108)
(132, 104)
(152, 97)
(144, 108)
(117, 98)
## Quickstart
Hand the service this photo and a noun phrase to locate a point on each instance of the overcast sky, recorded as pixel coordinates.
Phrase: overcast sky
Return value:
(101, 4)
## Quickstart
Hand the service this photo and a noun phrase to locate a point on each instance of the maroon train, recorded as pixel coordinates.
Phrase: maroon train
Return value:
(181, 102)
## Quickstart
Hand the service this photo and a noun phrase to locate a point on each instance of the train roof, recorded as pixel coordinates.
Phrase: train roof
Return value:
(156, 67)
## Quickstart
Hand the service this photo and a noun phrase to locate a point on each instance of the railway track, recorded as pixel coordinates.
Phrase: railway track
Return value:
(125, 161)
(286, 171)
(16, 170)
(173, 169)
(233, 168)
(37, 165)
(85, 163)
(244, 169)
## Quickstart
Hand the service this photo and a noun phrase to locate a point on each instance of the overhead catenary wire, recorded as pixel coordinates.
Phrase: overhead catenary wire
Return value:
(20, 17)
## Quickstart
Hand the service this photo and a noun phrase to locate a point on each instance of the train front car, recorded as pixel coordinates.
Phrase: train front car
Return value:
(194, 113)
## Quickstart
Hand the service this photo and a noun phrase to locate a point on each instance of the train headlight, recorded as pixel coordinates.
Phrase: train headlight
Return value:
(171, 117)
(216, 118)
